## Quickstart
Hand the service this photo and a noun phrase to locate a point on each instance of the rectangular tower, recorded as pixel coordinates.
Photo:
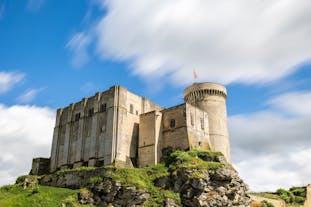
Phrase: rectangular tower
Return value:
(99, 130)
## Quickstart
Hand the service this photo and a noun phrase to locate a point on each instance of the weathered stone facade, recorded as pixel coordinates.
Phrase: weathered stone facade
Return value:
(118, 127)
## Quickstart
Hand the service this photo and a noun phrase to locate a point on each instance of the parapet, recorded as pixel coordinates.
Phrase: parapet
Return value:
(197, 90)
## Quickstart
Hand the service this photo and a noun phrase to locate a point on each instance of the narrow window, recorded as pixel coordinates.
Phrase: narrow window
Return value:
(103, 107)
(172, 123)
(91, 111)
(131, 108)
(202, 124)
(77, 117)
(191, 120)
(136, 112)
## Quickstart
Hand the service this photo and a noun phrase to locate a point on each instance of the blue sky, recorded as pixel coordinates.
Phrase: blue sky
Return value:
(53, 53)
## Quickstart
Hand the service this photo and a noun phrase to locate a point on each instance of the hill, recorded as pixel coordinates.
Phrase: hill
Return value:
(193, 178)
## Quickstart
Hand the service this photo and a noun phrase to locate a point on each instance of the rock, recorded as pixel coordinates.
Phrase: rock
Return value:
(170, 203)
(85, 197)
(221, 187)
(163, 182)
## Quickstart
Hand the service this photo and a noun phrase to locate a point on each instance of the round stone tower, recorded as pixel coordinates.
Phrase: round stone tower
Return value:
(211, 97)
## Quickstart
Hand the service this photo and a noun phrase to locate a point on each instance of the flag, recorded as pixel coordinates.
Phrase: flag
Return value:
(195, 75)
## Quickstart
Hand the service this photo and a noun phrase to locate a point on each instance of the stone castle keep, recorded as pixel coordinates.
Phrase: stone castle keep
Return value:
(121, 128)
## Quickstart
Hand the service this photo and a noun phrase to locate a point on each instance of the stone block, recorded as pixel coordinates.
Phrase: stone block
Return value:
(40, 166)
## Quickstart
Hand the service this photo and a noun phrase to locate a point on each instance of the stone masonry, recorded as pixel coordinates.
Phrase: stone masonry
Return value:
(121, 128)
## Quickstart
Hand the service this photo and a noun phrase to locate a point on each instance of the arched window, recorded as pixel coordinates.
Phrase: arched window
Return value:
(172, 123)
(131, 108)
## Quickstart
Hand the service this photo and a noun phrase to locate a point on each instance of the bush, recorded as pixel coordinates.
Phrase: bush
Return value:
(266, 204)
(295, 195)
(285, 195)
(299, 191)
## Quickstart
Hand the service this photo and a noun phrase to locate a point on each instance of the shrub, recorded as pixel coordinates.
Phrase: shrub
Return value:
(266, 204)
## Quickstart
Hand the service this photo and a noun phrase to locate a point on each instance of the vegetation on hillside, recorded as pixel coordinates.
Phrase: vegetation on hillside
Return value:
(295, 196)
(44, 196)
(141, 178)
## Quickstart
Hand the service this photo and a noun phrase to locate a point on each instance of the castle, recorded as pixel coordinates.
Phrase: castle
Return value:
(121, 128)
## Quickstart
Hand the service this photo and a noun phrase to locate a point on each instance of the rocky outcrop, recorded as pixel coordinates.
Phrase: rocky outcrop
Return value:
(189, 179)
(209, 188)
(112, 192)
(73, 179)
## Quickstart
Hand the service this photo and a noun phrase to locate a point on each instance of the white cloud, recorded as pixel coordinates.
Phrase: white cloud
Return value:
(270, 149)
(8, 80)
(295, 102)
(26, 132)
(78, 46)
(225, 41)
(35, 5)
(29, 95)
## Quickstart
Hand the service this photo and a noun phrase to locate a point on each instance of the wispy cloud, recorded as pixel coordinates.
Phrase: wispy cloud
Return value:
(8, 80)
(78, 45)
(226, 41)
(29, 95)
(35, 5)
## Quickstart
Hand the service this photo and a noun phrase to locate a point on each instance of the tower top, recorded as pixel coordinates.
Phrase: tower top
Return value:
(204, 88)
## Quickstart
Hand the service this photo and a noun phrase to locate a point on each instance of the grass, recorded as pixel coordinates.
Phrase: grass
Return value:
(141, 178)
(75, 170)
(17, 196)
(194, 159)
(267, 195)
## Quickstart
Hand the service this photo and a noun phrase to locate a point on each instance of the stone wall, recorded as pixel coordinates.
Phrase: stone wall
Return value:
(175, 135)
(40, 166)
(197, 128)
(102, 129)
(83, 132)
(149, 148)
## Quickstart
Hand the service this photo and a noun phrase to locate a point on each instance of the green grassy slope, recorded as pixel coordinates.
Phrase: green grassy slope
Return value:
(16, 196)
(142, 178)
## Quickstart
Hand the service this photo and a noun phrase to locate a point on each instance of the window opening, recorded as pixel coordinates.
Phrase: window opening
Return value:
(77, 117)
(172, 123)
(103, 107)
